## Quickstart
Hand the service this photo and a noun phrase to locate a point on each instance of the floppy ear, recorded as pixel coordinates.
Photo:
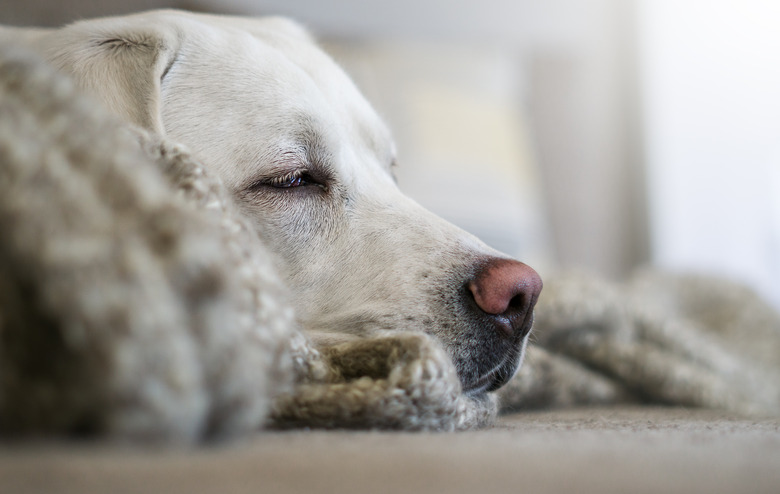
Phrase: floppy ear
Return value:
(121, 61)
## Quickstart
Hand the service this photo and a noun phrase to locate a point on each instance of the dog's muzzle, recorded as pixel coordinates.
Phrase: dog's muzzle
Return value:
(505, 291)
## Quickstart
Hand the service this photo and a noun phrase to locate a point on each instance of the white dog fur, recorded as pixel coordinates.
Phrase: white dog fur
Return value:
(310, 163)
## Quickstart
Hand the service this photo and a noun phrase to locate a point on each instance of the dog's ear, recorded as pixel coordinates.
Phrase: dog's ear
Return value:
(121, 61)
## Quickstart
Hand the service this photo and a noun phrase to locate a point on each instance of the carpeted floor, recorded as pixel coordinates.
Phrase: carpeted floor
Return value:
(628, 450)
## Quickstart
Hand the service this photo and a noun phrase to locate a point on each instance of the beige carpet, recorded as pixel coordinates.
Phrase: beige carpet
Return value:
(629, 450)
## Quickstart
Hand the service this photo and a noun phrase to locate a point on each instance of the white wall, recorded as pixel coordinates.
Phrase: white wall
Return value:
(711, 87)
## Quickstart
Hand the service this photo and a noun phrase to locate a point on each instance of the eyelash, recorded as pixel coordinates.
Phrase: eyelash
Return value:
(291, 180)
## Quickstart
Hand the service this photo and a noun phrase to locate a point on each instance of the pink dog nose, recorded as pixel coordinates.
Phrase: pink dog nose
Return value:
(507, 289)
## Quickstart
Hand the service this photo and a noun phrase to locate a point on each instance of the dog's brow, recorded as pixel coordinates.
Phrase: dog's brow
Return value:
(318, 157)
(304, 150)
(310, 139)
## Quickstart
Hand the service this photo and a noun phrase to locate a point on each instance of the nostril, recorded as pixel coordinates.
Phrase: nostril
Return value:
(518, 303)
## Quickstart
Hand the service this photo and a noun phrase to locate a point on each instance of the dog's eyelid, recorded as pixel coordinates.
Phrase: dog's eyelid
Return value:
(275, 178)
(286, 178)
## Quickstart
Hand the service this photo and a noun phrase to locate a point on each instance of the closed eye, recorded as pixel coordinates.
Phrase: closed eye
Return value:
(302, 165)
(295, 179)
(298, 179)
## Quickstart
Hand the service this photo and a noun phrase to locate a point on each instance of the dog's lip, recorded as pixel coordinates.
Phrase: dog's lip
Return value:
(482, 384)
(491, 381)
(502, 373)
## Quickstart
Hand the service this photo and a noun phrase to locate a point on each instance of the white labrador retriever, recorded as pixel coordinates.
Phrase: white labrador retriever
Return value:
(311, 163)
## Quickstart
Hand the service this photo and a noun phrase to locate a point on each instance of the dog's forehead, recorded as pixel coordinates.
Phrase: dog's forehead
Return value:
(272, 86)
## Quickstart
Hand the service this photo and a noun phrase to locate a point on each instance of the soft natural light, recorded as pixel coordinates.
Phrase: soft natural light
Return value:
(711, 87)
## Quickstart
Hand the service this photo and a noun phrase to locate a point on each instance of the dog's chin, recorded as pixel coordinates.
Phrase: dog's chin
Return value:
(497, 377)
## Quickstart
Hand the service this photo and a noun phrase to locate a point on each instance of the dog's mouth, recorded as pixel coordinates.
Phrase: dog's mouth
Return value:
(505, 370)
(496, 378)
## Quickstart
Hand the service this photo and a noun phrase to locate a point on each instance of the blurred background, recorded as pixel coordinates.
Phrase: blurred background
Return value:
(596, 134)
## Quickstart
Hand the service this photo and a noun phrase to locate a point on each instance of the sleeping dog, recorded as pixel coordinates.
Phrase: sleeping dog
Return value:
(310, 164)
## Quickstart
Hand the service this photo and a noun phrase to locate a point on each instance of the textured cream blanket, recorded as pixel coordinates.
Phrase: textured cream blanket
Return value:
(692, 341)
(135, 301)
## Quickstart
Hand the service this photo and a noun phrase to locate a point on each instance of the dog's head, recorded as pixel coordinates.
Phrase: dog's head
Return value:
(311, 163)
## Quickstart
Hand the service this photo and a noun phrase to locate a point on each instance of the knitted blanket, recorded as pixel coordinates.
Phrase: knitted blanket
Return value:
(661, 338)
(136, 301)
